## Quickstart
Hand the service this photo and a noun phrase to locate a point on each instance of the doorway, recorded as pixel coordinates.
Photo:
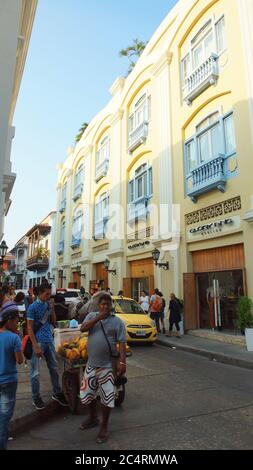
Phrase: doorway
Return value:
(218, 294)
(138, 285)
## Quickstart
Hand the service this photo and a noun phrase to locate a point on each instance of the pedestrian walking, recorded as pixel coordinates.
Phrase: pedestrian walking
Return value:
(105, 331)
(175, 315)
(40, 318)
(144, 301)
(162, 313)
(10, 356)
(155, 308)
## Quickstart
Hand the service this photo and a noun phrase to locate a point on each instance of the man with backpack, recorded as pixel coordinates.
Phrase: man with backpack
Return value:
(10, 356)
(40, 317)
(156, 308)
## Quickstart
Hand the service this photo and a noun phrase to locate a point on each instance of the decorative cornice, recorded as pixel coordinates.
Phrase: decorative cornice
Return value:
(165, 60)
(117, 117)
(117, 85)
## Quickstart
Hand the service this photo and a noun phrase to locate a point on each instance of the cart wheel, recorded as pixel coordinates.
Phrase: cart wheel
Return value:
(70, 385)
(120, 395)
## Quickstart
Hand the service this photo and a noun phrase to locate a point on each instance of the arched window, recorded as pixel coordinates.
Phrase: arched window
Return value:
(139, 118)
(77, 228)
(78, 183)
(101, 215)
(102, 158)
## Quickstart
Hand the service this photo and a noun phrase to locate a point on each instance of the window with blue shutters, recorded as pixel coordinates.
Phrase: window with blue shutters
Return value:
(77, 229)
(78, 184)
(101, 216)
(207, 155)
(63, 203)
(62, 238)
(214, 135)
(140, 190)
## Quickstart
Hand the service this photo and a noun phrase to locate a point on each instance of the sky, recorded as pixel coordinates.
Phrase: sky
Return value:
(73, 60)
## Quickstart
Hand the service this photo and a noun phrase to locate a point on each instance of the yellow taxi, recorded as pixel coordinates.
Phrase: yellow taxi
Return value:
(139, 326)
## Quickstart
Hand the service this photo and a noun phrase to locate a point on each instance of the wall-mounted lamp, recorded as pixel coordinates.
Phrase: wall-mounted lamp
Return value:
(107, 265)
(156, 256)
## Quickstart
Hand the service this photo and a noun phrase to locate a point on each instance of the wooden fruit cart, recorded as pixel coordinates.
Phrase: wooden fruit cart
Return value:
(71, 380)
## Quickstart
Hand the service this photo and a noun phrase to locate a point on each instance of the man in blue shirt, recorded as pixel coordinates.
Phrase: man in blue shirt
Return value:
(40, 317)
(10, 355)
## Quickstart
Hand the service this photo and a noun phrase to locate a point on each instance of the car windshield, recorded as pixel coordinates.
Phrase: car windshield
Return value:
(70, 294)
(127, 306)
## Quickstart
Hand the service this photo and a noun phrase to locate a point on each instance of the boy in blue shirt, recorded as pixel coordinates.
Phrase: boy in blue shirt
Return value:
(10, 355)
(40, 317)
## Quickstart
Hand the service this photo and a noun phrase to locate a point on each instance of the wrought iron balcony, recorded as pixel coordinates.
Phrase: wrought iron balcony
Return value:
(78, 190)
(63, 206)
(137, 210)
(37, 263)
(138, 136)
(102, 169)
(201, 78)
(61, 247)
(207, 176)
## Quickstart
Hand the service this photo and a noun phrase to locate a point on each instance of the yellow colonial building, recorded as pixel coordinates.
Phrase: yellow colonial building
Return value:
(160, 184)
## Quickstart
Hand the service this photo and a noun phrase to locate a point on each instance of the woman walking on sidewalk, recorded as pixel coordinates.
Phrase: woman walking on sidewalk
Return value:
(10, 355)
(175, 315)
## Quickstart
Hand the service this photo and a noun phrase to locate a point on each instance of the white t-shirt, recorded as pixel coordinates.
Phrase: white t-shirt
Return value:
(145, 302)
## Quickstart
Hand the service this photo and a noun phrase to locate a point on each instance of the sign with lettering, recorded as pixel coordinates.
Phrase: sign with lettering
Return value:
(216, 228)
(138, 245)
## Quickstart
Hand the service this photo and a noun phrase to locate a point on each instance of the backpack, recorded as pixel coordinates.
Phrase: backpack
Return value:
(157, 304)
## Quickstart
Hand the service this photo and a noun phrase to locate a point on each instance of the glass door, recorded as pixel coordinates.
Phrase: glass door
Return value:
(218, 297)
(138, 285)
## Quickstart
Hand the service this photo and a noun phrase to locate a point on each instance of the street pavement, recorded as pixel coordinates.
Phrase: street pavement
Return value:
(174, 400)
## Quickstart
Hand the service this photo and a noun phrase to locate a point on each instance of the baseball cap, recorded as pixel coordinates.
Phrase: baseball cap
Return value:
(8, 310)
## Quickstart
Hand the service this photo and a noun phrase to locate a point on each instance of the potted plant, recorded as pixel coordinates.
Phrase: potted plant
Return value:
(244, 314)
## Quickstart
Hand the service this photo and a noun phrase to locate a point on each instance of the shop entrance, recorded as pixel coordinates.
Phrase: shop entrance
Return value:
(218, 297)
(139, 285)
(212, 290)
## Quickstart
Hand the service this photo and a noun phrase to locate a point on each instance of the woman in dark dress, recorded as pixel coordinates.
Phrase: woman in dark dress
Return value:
(175, 315)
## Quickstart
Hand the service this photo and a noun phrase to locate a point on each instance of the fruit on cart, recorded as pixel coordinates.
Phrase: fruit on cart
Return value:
(72, 354)
(77, 348)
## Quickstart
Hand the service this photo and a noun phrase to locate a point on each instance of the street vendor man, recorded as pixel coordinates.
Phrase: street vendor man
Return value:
(105, 363)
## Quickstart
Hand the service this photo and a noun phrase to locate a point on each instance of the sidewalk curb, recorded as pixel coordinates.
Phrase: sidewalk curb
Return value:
(219, 357)
(27, 422)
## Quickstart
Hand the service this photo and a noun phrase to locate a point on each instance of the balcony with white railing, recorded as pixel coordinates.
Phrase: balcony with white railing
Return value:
(63, 206)
(78, 190)
(201, 78)
(100, 228)
(102, 169)
(21, 267)
(207, 176)
(76, 241)
(137, 210)
(138, 136)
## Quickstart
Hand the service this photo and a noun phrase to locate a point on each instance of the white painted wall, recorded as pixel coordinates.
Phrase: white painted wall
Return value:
(10, 12)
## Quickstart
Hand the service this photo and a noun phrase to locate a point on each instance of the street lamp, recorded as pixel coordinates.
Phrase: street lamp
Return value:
(61, 276)
(156, 256)
(49, 276)
(79, 270)
(3, 250)
(106, 265)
